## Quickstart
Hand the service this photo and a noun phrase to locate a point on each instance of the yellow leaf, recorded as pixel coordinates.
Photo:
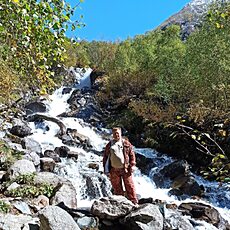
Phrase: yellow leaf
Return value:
(193, 137)
(218, 25)
(16, 1)
(223, 133)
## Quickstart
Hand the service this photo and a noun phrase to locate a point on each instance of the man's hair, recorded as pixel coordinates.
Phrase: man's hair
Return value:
(116, 128)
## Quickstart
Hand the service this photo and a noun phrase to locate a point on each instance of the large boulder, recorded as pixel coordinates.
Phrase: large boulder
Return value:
(204, 212)
(35, 107)
(187, 185)
(175, 220)
(175, 169)
(55, 218)
(23, 222)
(65, 191)
(112, 208)
(21, 167)
(21, 130)
(31, 145)
(146, 217)
(66, 195)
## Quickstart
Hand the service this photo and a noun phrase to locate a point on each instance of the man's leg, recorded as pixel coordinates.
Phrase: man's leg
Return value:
(115, 178)
(130, 188)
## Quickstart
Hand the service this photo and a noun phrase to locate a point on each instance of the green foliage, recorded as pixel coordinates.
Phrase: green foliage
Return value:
(9, 82)
(218, 169)
(31, 191)
(170, 53)
(219, 14)
(96, 54)
(4, 207)
(28, 188)
(8, 156)
(32, 34)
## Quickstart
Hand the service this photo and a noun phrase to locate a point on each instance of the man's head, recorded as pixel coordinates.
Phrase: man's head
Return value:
(116, 133)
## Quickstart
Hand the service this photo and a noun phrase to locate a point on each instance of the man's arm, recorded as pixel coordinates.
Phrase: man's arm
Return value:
(106, 153)
(132, 156)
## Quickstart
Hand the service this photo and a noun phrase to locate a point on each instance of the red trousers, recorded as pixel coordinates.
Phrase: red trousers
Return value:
(116, 177)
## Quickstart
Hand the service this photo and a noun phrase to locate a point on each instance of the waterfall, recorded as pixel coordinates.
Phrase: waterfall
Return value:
(92, 184)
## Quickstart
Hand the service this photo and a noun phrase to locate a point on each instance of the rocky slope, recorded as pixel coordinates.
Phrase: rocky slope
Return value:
(190, 16)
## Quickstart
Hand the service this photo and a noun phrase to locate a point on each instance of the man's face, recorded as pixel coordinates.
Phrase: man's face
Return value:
(117, 134)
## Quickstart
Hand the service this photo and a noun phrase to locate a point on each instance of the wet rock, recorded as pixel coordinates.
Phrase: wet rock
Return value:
(144, 163)
(97, 184)
(53, 155)
(35, 107)
(87, 222)
(175, 192)
(62, 151)
(146, 217)
(202, 212)
(187, 185)
(93, 166)
(31, 145)
(175, 169)
(21, 130)
(146, 200)
(68, 140)
(174, 220)
(72, 154)
(73, 98)
(66, 90)
(112, 208)
(55, 218)
(47, 164)
(94, 75)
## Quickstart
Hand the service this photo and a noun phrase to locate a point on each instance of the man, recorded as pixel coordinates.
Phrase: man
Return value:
(122, 159)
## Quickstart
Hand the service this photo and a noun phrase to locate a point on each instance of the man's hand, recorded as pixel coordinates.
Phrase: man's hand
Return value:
(133, 168)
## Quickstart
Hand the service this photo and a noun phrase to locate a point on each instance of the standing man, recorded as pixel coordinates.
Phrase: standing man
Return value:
(122, 160)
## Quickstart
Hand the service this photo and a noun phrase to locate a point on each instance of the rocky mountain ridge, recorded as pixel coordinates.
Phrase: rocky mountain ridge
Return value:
(190, 16)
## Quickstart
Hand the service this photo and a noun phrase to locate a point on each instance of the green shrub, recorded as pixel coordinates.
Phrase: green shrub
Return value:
(4, 207)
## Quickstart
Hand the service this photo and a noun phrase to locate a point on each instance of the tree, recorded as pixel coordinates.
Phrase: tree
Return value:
(32, 34)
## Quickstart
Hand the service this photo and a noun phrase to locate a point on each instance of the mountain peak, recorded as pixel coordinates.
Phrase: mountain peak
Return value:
(190, 16)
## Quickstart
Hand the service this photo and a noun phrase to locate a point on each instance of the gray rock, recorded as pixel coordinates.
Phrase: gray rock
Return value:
(66, 194)
(22, 207)
(32, 156)
(112, 207)
(21, 167)
(35, 107)
(55, 218)
(32, 145)
(87, 222)
(175, 220)
(65, 191)
(146, 217)
(15, 222)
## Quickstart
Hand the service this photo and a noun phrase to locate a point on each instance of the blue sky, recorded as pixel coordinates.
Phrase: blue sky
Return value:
(118, 19)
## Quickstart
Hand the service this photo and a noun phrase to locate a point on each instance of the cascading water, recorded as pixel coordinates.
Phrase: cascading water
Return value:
(92, 184)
